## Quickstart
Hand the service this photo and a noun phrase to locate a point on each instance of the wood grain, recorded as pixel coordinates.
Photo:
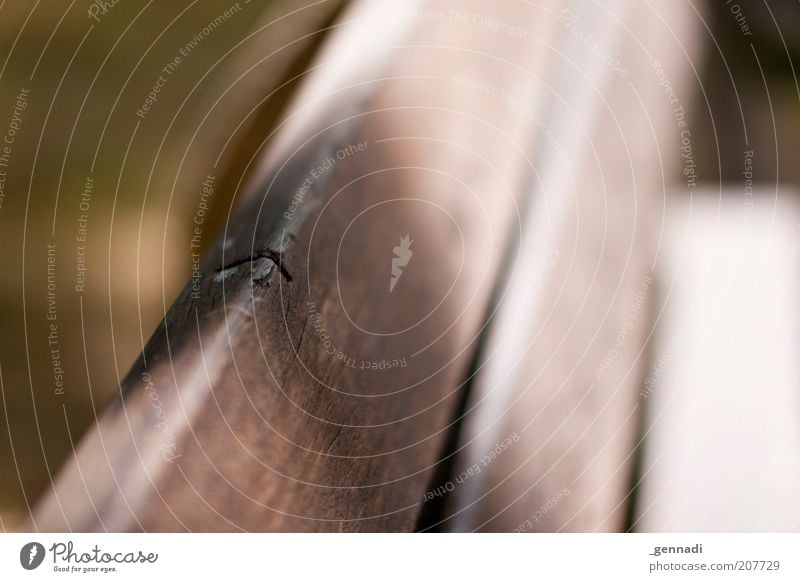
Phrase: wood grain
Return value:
(249, 409)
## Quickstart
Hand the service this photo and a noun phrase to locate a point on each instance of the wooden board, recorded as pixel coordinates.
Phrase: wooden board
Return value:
(552, 426)
(249, 409)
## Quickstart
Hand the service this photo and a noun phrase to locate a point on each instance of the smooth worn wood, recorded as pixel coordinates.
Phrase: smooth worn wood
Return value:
(290, 387)
(561, 371)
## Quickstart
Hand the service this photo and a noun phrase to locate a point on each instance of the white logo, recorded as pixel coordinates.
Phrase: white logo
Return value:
(402, 255)
(31, 555)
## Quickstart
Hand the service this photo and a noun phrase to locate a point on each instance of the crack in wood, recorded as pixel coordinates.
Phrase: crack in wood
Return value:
(270, 255)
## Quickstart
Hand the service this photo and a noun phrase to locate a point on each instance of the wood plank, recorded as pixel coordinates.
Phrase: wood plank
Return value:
(129, 188)
(249, 408)
(550, 432)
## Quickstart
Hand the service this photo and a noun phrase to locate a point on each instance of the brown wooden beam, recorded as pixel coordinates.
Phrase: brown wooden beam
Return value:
(249, 409)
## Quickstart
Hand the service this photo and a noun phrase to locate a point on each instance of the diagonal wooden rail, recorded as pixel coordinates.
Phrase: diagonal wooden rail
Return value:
(447, 168)
(563, 366)
(292, 385)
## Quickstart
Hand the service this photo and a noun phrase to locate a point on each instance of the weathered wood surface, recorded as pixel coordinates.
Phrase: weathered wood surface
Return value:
(249, 409)
(144, 176)
(563, 367)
